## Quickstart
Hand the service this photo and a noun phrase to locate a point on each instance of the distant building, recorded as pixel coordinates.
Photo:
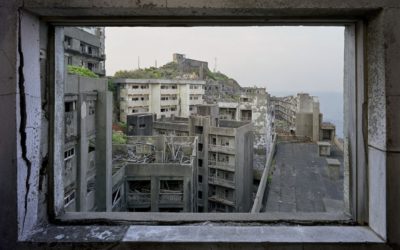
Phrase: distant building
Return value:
(188, 66)
(253, 106)
(298, 115)
(163, 97)
(84, 46)
(308, 117)
(225, 158)
(284, 112)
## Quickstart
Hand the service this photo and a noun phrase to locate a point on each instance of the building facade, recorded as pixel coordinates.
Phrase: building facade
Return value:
(85, 46)
(159, 96)
(87, 101)
(225, 158)
(253, 106)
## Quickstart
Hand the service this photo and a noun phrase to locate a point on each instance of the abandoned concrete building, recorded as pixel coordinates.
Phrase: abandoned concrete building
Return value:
(300, 115)
(225, 151)
(284, 111)
(189, 66)
(84, 46)
(310, 157)
(155, 174)
(163, 97)
(139, 124)
(254, 106)
(86, 102)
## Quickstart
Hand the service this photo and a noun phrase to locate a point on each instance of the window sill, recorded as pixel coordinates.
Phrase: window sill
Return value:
(206, 233)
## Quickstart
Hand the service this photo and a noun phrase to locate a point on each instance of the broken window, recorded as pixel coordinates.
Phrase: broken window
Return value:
(199, 130)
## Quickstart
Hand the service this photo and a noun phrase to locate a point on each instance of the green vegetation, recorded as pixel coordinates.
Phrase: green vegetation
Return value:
(118, 138)
(111, 86)
(122, 125)
(168, 71)
(81, 71)
(217, 76)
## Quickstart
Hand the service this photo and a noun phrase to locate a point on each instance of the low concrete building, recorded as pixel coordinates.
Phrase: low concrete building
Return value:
(155, 173)
(163, 97)
(139, 124)
(225, 158)
(328, 132)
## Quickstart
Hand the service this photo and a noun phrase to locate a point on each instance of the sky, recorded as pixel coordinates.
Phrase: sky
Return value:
(281, 59)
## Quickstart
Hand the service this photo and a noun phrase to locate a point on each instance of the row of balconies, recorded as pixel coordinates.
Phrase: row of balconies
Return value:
(78, 50)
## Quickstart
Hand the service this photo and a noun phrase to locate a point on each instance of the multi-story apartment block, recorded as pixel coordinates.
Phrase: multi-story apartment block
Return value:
(162, 97)
(253, 106)
(225, 158)
(84, 46)
(155, 174)
(284, 110)
(87, 147)
(297, 115)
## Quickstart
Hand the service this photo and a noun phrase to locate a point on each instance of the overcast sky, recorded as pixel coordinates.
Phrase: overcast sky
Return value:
(308, 59)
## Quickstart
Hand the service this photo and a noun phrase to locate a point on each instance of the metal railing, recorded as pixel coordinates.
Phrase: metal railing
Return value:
(170, 197)
(138, 198)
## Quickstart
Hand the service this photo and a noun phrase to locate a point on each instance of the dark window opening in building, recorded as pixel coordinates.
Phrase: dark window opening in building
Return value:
(200, 161)
(200, 147)
(199, 130)
(69, 106)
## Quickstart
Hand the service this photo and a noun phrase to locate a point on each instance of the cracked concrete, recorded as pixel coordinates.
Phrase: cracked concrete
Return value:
(23, 115)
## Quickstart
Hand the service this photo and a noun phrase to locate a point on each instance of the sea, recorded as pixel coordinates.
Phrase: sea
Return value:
(331, 107)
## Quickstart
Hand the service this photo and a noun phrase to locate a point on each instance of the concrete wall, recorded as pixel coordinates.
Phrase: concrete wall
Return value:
(23, 155)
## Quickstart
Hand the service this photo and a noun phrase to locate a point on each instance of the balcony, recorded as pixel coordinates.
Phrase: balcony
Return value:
(221, 182)
(221, 165)
(169, 102)
(138, 103)
(198, 91)
(221, 149)
(222, 200)
(169, 91)
(138, 91)
(170, 198)
(138, 199)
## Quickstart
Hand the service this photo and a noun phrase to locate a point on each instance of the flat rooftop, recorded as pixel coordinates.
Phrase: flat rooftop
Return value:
(301, 180)
(157, 81)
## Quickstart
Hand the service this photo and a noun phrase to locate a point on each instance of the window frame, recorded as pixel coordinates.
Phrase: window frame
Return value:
(355, 98)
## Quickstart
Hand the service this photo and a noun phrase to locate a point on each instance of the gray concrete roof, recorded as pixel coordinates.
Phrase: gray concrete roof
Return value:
(301, 181)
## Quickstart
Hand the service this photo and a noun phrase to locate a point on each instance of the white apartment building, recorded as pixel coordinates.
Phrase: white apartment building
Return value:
(163, 97)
